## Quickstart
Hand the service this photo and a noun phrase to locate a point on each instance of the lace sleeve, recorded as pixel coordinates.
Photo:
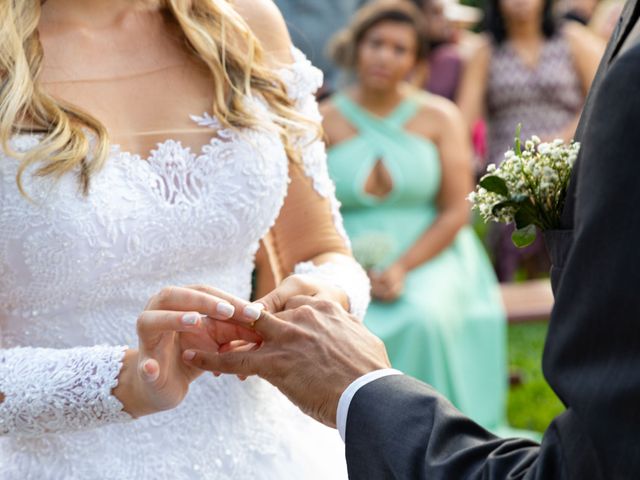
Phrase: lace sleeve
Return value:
(52, 391)
(350, 278)
(302, 80)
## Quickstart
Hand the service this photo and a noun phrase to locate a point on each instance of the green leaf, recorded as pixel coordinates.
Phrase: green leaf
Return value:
(516, 202)
(495, 210)
(523, 237)
(518, 142)
(494, 184)
(526, 214)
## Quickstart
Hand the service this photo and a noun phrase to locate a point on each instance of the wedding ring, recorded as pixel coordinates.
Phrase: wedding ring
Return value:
(252, 325)
(253, 312)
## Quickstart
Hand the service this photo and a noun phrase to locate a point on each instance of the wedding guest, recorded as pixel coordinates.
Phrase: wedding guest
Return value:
(530, 70)
(146, 143)
(400, 159)
(440, 71)
(312, 24)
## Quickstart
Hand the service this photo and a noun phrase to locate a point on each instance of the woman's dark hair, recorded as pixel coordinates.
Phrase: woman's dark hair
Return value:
(494, 21)
(343, 46)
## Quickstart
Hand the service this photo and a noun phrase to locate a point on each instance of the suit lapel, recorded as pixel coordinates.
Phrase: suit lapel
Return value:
(625, 25)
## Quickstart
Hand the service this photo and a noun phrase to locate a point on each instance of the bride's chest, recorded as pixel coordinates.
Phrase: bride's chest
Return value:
(172, 211)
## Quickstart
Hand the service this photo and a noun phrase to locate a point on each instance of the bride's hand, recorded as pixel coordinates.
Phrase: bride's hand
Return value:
(154, 378)
(296, 285)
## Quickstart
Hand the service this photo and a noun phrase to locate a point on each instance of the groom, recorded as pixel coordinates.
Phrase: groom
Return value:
(396, 427)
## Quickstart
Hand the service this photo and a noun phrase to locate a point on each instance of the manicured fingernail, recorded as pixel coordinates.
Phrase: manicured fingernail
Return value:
(190, 319)
(189, 355)
(225, 310)
(151, 373)
(253, 311)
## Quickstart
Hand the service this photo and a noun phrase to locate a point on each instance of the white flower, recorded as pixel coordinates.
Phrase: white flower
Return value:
(540, 173)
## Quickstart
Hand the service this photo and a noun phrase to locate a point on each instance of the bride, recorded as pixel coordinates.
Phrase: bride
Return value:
(148, 143)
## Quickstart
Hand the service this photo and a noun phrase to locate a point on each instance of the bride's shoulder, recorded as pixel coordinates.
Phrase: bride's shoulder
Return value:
(268, 25)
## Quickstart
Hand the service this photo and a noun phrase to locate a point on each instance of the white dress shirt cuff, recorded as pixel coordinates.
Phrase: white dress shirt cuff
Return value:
(348, 394)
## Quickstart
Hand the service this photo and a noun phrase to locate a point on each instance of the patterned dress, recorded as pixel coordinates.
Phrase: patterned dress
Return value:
(544, 98)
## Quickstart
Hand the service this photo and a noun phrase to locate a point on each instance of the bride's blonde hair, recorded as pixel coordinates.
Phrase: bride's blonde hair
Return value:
(214, 32)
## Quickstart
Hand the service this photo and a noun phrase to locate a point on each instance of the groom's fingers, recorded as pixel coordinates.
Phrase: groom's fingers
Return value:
(237, 363)
(224, 331)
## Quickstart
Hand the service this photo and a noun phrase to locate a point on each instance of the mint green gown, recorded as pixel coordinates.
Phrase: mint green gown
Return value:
(448, 328)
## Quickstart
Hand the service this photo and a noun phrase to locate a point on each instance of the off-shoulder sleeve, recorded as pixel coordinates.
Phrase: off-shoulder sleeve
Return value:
(59, 390)
(310, 223)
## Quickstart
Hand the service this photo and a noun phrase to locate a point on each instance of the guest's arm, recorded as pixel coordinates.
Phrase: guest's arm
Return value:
(472, 92)
(586, 51)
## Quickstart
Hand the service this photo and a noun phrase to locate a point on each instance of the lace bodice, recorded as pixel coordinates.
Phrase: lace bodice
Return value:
(75, 271)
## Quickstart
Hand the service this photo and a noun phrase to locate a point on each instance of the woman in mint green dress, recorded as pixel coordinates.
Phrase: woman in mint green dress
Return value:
(401, 162)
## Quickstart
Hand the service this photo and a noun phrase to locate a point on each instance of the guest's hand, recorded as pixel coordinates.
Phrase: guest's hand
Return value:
(388, 285)
(153, 377)
(311, 351)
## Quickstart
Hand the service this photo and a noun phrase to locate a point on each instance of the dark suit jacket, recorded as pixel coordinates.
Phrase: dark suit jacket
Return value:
(400, 428)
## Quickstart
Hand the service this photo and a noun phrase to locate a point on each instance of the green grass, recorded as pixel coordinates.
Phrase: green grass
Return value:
(531, 405)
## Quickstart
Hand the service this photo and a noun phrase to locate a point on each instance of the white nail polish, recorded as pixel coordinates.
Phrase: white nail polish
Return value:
(190, 319)
(253, 311)
(225, 310)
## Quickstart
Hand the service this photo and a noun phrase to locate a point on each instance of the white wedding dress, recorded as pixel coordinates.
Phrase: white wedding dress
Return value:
(76, 271)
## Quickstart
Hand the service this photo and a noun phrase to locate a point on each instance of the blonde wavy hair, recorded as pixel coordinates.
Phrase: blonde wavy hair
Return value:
(214, 32)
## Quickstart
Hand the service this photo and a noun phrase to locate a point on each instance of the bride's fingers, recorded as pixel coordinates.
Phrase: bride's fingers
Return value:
(245, 313)
(189, 299)
(276, 300)
(152, 324)
(239, 304)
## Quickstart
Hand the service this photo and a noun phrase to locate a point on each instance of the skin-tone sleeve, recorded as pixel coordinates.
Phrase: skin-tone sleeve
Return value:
(308, 236)
(305, 228)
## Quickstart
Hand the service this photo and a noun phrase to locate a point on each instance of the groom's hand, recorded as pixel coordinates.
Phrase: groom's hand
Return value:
(312, 352)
